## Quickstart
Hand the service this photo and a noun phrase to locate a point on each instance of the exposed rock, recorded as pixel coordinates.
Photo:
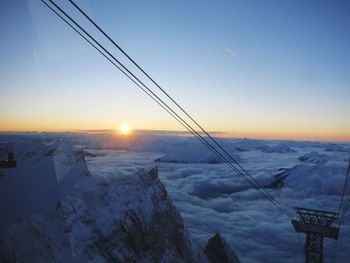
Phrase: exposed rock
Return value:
(6, 254)
(279, 148)
(244, 145)
(126, 219)
(116, 218)
(278, 181)
(219, 251)
(332, 147)
(314, 157)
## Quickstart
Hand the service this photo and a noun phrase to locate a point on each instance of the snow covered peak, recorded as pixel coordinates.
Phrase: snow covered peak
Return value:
(121, 218)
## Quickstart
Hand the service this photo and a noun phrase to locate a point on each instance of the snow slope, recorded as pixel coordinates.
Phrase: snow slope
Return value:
(120, 216)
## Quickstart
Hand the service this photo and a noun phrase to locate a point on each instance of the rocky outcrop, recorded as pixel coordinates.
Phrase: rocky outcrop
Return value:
(279, 148)
(219, 251)
(126, 219)
(315, 158)
(136, 222)
(109, 217)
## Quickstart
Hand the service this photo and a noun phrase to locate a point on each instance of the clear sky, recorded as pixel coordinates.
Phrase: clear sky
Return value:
(266, 69)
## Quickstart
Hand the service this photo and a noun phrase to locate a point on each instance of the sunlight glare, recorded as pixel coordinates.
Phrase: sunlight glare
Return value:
(125, 129)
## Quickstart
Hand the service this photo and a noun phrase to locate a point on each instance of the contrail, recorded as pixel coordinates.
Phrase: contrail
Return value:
(231, 52)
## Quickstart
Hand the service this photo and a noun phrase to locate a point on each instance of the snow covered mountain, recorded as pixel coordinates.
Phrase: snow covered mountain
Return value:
(321, 173)
(89, 217)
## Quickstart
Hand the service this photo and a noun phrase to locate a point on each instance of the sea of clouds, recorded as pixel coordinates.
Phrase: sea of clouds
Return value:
(212, 198)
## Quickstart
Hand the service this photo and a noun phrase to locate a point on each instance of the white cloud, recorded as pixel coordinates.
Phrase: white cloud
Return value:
(213, 199)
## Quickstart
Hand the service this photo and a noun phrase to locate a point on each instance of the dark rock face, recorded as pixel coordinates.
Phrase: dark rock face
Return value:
(134, 238)
(279, 178)
(126, 219)
(6, 255)
(219, 251)
(115, 218)
(280, 148)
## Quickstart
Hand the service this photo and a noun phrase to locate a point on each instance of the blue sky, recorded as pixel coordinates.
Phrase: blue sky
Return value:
(276, 69)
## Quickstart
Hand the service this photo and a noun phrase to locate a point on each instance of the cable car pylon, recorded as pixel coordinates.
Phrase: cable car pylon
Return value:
(316, 224)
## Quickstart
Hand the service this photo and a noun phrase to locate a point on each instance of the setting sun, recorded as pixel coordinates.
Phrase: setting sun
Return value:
(125, 129)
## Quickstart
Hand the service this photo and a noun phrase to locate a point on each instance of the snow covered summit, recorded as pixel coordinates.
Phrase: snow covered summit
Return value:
(90, 217)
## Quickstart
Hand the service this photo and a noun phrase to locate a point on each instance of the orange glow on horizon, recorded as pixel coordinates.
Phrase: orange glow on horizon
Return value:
(262, 134)
(269, 131)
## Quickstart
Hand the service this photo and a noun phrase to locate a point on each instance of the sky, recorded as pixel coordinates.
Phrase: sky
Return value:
(259, 69)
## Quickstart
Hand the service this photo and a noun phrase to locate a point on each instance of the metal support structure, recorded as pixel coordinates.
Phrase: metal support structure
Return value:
(316, 224)
(10, 162)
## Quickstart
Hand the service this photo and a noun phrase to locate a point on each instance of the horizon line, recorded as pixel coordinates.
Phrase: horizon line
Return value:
(222, 134)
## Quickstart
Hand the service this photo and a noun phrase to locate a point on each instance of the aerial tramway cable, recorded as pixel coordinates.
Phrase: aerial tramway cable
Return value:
(342, 211)
(152, 95)
(245, 175)
(163, 91)
(248, 178)
(159, 87)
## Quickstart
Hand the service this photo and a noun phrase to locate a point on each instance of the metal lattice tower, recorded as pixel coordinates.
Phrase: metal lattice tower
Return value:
(316, 225)
(9, 162)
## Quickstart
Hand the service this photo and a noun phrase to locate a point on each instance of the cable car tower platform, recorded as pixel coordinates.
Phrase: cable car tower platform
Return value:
(316, 224)
(10, 162)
